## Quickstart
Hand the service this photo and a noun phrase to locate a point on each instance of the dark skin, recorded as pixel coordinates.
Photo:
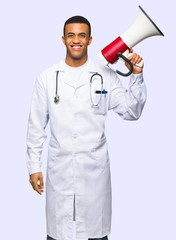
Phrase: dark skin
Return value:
(77, 40)
(134, 59)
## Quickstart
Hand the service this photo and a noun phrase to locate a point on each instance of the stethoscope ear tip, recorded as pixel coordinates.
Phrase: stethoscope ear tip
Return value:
(56, 99)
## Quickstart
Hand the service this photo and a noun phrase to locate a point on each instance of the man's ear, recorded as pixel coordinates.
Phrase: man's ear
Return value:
(63, 40)
(90, 40)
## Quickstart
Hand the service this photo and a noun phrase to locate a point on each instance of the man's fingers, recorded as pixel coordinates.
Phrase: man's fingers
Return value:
(135, 58)
(41, 181)
(35, 186)
(139, 60)
(36, 181)
(38, 188)
(130, 57)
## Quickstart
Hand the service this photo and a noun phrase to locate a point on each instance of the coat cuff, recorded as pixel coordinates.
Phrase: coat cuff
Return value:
(34, 168)
(136, 78)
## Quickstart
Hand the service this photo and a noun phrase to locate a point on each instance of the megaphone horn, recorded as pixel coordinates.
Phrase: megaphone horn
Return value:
(143, 27)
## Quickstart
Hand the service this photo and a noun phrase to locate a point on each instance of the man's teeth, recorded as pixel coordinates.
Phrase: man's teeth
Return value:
(76, 46)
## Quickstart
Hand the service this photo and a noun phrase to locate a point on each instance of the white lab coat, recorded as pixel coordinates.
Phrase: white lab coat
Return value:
(78, 167)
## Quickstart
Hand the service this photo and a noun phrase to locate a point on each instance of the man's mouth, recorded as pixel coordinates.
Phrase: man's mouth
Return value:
(76, 47)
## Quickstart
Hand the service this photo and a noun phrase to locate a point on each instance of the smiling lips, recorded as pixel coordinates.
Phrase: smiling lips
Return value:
(76, 47)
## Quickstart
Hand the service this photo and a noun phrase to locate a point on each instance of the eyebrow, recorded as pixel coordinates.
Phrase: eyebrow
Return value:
(74, 33)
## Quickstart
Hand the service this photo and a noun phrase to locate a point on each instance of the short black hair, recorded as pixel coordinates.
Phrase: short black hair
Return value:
(77, 19)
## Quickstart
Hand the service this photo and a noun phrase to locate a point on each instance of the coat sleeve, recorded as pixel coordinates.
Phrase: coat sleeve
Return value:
(38, 119)
(128, 103)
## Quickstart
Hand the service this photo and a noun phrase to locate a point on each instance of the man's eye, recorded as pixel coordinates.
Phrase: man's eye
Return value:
(82, 35)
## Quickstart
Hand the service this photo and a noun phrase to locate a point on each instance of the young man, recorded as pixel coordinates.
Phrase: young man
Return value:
(78, 183)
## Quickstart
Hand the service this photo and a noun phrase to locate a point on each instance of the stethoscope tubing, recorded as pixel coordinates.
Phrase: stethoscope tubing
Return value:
(91, 79)
(56, 98)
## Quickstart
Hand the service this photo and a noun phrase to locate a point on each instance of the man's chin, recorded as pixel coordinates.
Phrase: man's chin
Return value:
(77, 56)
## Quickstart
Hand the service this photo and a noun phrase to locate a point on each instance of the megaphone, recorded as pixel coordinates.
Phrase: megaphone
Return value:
(143, 27)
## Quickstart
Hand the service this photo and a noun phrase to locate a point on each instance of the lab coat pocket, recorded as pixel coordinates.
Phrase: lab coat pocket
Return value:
(102, 106)
(101, 153)
(53, 152)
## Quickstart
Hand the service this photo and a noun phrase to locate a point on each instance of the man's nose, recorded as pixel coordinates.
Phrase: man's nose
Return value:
(76, 39)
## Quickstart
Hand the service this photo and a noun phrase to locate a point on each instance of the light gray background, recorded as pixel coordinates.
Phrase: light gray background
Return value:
(142, 152)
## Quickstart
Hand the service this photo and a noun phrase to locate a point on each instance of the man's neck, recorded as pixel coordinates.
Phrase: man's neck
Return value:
(75, 62)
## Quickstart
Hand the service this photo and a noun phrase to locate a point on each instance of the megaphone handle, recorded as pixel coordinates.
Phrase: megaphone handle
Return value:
(127, 54)
(119, 55)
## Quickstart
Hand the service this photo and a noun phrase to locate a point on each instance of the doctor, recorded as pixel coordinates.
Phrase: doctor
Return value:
(78, 182)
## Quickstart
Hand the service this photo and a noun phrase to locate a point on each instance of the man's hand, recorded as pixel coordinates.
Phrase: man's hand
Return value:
(134, 59)
(36, 180)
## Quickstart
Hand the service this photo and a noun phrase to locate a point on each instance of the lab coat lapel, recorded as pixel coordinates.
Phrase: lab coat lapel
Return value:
(86, 79)
(62, 69)
(79, 82)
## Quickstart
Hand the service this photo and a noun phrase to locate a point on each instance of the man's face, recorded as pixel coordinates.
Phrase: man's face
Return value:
(76, 40)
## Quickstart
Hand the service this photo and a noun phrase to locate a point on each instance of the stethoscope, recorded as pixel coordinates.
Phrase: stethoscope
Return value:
(102, 91)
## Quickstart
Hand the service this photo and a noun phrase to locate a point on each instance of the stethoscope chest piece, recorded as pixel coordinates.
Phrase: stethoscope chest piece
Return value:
(56, 99)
